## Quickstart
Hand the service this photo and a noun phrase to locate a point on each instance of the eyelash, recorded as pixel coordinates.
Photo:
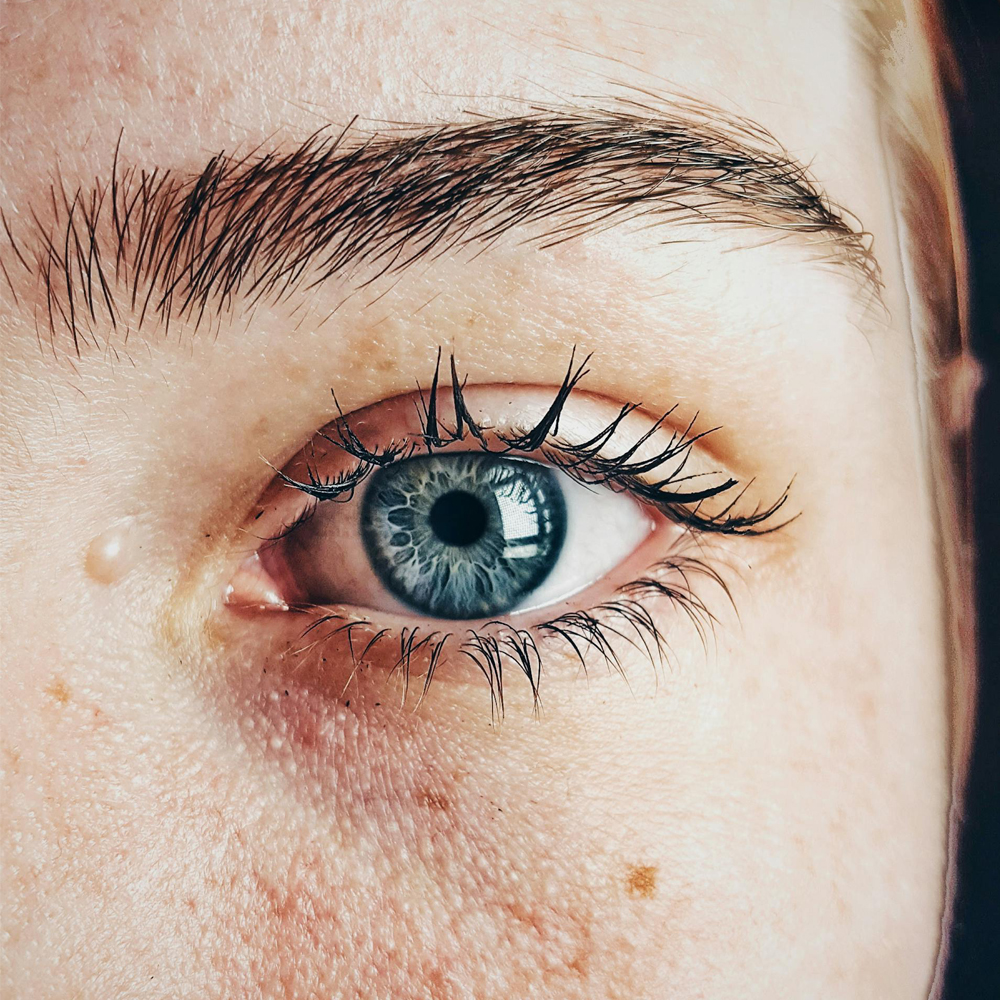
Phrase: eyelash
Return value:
(626, 617)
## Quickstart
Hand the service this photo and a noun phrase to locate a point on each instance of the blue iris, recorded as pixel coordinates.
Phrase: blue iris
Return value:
(463, 535)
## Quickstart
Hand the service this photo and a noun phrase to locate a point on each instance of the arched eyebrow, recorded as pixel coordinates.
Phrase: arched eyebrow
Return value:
(162, 243)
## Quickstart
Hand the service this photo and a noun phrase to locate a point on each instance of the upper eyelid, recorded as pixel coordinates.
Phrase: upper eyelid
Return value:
(584, 460)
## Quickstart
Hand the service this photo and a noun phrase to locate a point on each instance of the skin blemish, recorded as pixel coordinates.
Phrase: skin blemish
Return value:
(112, 554)
(432, 800)
(13, 758)
(640, 881)
(59, 691)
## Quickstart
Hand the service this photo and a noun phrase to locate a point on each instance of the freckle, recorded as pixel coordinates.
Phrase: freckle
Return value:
(59, 691)
(641, 881)
(432, 800)
(112, 554)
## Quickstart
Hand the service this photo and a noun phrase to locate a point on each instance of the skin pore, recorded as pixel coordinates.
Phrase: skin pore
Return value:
(194, 807)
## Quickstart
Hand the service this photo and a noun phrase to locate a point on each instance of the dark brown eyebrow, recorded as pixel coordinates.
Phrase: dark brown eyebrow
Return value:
(161, 243)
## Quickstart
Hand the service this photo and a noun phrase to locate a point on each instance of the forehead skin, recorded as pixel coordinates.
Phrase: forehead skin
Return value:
(158, 71)
(776, 829)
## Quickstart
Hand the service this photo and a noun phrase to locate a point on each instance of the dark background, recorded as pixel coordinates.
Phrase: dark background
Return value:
(973, 971)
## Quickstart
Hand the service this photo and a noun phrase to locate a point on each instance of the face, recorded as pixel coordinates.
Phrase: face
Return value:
(483, 548)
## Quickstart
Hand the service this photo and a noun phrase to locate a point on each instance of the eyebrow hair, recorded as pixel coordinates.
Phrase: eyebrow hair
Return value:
(170, 244)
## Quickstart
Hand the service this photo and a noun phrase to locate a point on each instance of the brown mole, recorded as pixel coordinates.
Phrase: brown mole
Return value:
(641, 881)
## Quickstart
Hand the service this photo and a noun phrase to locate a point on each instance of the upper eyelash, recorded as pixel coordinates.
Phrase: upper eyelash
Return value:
(583, 461)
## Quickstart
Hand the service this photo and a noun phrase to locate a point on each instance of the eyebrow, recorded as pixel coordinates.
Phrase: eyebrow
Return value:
(164, 243)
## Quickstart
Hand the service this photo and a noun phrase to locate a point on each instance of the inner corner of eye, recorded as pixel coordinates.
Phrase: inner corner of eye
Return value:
(459, 536)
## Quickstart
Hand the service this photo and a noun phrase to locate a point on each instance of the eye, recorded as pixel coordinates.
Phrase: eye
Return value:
(543, 518)
(459, 536)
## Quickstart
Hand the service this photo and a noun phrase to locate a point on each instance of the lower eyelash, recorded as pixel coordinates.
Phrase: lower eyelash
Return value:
(629, 608)
(497, 647)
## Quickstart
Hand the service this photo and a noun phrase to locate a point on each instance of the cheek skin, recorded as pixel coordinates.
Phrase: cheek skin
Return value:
(437, 856)
(431, 876)
(405, 864)
(238, 841)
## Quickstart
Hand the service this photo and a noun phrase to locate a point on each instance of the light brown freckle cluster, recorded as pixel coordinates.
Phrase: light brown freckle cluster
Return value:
(641, 881)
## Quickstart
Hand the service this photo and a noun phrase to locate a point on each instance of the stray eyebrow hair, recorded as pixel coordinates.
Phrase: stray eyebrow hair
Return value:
(168, 244)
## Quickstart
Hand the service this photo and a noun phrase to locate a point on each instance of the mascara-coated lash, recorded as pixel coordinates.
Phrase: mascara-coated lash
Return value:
(674, 495)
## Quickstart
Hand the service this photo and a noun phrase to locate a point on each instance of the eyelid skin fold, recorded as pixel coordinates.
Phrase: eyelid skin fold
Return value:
(641, 467)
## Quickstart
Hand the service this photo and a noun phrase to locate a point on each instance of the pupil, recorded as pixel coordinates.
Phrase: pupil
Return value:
(458, 518)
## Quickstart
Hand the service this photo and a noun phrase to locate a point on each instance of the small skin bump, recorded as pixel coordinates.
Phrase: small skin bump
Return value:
(113, 554)
(640, 881)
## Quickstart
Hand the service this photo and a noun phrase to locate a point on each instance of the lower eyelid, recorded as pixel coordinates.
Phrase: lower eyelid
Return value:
(326, 650)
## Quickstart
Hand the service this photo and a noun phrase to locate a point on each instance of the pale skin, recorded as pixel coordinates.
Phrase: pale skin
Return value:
(764, 814)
